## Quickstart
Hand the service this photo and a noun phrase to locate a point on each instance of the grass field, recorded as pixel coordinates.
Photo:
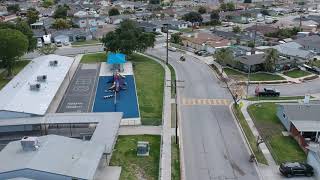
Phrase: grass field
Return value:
(93, 58)
(253, 76)
(297, 73)
(175, 161)
(252, 140)
(17, 68)
(134, 167)
(149, 76)
(282, 148)
(275, 98)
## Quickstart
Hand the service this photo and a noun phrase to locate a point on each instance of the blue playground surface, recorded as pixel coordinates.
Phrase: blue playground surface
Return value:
(126, 99)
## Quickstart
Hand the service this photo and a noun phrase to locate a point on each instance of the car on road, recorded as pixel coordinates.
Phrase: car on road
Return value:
(58, 43)
(290, 169)
(267, 92)
(182, 58)
(39, 43)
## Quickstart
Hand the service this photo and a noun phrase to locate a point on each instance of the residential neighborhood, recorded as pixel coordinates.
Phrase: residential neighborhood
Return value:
(168, 90)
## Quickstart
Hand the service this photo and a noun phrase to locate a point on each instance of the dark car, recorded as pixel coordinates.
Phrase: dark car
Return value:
(267, 92)
(290, 169)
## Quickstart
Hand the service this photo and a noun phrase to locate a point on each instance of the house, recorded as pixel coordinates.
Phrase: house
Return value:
(205, 41)
(301, 120)
(293, 51)
(310, 43)
(149, 27)
(173, 24)
(261, 29)
(74, 34)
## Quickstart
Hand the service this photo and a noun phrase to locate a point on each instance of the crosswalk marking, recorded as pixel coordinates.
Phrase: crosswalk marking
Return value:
(214, 102)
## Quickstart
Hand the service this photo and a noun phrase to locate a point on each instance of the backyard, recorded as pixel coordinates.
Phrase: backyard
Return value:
(134, 167)
(17, 68)
(297, 73)
(260, 76)
(283, 148)
(88, 42)
(93, 58)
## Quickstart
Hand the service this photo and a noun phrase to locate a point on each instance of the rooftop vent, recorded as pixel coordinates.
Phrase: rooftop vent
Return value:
(53, 63)
(35, 87)
(29, 143)
(42, 78)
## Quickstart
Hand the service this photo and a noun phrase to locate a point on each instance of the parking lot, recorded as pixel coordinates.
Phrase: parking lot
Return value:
(81, 91)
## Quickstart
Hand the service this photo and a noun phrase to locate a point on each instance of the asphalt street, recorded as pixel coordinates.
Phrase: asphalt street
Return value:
(212, 143)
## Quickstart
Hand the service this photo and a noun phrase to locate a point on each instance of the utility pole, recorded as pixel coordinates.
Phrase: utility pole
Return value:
(167, 29)
(175, 86)
(248, 80)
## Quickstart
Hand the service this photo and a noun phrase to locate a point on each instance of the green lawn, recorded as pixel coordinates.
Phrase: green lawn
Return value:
(17, 68)
(85, 42)
(275, 98)
(134, 167)
(253, 76)
(149, 76)
(173, 78)
(252, 140)
(93, 58)
(297, 73)
(175, 161)
(282, 148)
(315, 63)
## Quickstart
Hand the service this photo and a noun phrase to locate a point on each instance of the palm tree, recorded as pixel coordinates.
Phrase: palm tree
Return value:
(271, 59)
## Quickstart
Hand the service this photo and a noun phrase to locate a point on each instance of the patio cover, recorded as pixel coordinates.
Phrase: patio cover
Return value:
(116, 58)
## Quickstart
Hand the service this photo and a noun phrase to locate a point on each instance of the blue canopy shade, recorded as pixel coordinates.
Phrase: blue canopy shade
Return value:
(116, 58)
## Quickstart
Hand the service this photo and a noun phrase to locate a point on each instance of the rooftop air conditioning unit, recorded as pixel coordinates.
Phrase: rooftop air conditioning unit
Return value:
(29, 143)
(53, 63)
(42, 78)
(35, 87)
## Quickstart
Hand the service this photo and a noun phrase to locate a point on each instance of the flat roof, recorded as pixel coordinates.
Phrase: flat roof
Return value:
(56, 154)
(16, 96)
(307, 126)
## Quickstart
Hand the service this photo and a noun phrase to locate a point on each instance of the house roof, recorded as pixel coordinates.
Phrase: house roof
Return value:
(263, 29)
(305, 117)
(292, 49)
(16, 96)
(252, 59)
(56, 154)
(309, 42)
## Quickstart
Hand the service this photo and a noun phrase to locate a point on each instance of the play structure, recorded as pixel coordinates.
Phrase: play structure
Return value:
(118, 81)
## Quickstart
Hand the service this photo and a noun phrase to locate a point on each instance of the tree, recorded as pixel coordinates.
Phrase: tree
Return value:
(215, 15)
(47, 49)
(176, 38)
(271, 59)
(128, 37)
(13, 45)
(224, 56)
(265, 12)
(32, 15)
(113, 12)
(223, 6)
(247, 1)
(236, 29)
(47, 3)
(230, 6)
(61, 12)
(251, 44)
(193, 17)
(13, 8)
(202, 10)
(61, 24)
(23, 27)
(155, 2)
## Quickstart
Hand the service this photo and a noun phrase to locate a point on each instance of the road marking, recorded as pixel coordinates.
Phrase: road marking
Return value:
(213, 102)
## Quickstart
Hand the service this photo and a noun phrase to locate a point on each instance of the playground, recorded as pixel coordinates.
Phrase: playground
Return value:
(116, 90)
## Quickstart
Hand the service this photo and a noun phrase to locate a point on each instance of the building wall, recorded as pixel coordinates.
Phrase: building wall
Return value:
(34, 174)
(283, 118)
(314, 161)
(9, 114)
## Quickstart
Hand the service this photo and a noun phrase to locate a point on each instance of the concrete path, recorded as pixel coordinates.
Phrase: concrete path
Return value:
(165, 154)
(64, 86)
(136, 130)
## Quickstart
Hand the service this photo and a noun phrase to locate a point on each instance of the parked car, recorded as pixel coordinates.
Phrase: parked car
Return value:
(182, 58)
(39, 43)
(200, 52)
(267, 92)
(58, 43)
(290, 169)
(173, 49)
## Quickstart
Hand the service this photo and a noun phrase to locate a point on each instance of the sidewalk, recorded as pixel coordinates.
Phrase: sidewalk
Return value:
(136, 130)
(165, 154)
